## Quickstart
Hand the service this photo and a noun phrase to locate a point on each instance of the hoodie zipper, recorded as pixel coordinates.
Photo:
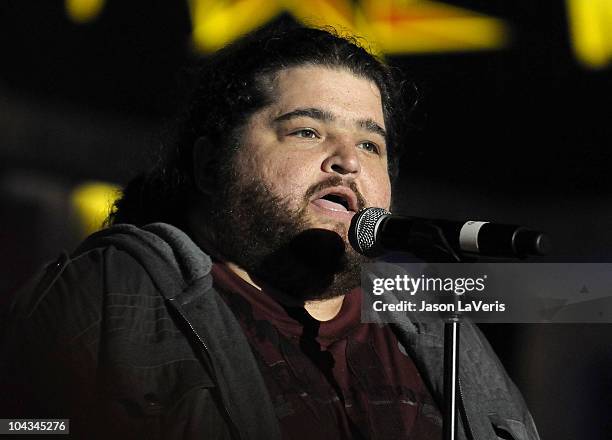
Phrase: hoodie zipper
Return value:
(211, 368)
(466, 421)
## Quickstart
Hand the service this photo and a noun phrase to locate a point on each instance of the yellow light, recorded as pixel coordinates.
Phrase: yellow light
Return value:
(591, 30)
(92, 203)
(83, 11)
(218, 22)
(390, 26)
(442, 35)
(336, 13)
(423, 26)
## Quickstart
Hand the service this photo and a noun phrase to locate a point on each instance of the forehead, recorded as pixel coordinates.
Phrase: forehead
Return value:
(337, 90)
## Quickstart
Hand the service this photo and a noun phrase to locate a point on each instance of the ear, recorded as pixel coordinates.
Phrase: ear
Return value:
(204, 163)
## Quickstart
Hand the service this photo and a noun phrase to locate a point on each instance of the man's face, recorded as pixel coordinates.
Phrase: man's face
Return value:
(306, 163)
(324, 125)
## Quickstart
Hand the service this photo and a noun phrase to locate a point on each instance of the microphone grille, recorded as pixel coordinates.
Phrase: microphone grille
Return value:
(362, 233)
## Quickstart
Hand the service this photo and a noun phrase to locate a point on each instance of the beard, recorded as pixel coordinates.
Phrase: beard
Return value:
(277, 245)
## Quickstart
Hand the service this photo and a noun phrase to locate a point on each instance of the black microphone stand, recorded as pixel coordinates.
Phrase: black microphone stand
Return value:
(453, 396)
(452, 329)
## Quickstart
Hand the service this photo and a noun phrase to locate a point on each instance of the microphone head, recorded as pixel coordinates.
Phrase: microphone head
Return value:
(362, 233)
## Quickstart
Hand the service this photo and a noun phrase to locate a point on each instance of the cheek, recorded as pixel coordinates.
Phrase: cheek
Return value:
(285, 175)
(377, 187)
(384, 196)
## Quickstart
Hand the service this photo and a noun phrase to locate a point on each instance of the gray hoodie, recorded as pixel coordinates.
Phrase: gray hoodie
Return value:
(129, 338)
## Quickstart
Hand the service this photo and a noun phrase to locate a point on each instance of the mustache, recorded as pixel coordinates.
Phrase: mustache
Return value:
(336, 181)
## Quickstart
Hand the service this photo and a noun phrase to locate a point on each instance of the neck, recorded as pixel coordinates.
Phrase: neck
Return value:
(321, 310)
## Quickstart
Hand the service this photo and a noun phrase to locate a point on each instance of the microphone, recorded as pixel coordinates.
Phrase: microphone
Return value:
(374, 231)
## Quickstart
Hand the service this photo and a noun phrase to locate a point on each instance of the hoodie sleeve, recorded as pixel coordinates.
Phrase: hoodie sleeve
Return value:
(52, 342)
(93, 342)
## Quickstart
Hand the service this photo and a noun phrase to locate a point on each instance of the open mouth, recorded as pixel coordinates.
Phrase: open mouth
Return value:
(337, 199)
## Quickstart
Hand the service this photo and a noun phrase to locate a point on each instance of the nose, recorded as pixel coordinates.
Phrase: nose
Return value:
(342, 159)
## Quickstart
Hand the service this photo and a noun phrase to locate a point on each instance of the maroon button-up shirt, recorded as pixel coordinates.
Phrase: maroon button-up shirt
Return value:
(337, 379)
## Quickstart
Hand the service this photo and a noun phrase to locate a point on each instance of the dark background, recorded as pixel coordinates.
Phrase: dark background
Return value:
(517, 135)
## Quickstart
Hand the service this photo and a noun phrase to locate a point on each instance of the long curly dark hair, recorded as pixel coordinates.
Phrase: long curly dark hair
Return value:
(231, 85)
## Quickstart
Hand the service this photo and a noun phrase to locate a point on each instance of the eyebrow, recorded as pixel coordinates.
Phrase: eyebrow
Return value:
(326, 116)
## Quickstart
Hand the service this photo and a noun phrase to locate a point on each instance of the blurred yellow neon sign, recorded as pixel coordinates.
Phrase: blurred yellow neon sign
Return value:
(391, 26)
(591, 28)
(83, 11)
(92, 203)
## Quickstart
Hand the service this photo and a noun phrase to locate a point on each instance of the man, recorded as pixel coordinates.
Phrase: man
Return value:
(224, 301)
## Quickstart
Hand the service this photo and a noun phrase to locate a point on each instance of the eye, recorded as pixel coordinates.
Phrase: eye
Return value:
(370, 147)
(306, 133)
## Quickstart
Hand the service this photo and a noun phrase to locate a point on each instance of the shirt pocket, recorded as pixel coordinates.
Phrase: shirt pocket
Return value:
(158, 401)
